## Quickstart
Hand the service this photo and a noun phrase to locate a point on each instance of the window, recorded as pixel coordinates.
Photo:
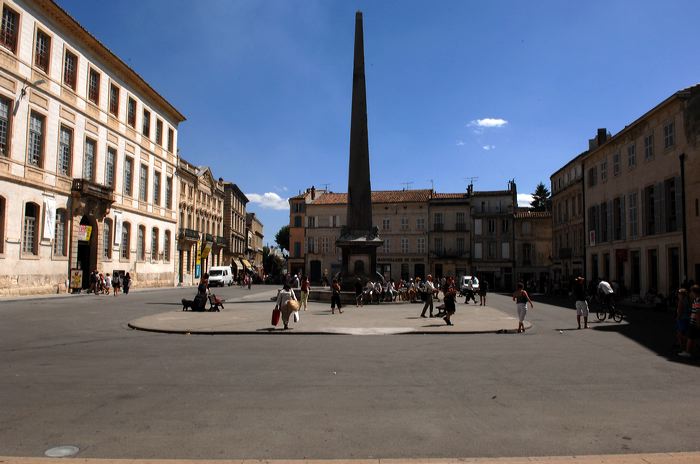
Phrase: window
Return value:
(297, 221)
(386, 224)
(386, 247)
(618, 219)
(143, 179)
(420, 223)
(460, 246)
(325, 246)
(126, 240)
(616, 164)
(94, 86)
(36, 139)
(146, 123)
(460, 224)
(156, 188)
(59, 239)
(592, 176)
(169, 193)
(420, 245)
(159, 132)
(171, 135)
(477, 226)
(70, 69)
(9, 28)
(154, 244)
(5, 111)
(492, 226)
(527, 228)
(107, 239)
(669, 135)
(491, 250)
(42, 51)
(632, 198)
(438, 222)
(505, 226)
(29, 239)
(669, 203)
(631, 155)
(2, 225)
(65, 150)
(114, 100)
(141, 244)
(649, 211)
(477, 250)
(166, 247)
(309, 246)
(604, 222)
(89, 159)
(603, 171)
(404, 245)
(297, 249)
(505, 250)
(649, 147)
(131, 112)
(128, 176)
(438, 245)
(109, 166)
(404, 223)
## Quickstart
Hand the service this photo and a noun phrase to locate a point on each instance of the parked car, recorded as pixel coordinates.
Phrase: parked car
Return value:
(220, 276)
(465, 280)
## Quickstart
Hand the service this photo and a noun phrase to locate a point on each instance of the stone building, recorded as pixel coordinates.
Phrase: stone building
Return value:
(255, 236)
(235, 203)
(296, 262)
(493, 235)
(200, 241)
(87, 159)
(533, 248)
(449, 238)
(634, 198)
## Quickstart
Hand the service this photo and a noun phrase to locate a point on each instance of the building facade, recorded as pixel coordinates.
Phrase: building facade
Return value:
(449, 238)
(255, 244)
(634, 199)
(87, 159)
(296, 262)
(200, 242)
(533, 249)
(235, 203)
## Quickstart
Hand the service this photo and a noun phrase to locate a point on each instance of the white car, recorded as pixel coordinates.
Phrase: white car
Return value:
(220, 276)
(464, 283)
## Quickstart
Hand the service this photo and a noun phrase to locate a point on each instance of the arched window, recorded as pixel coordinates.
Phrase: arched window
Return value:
(60, 246)
(107, 239)
(166, 246)
(154, 244)
(126, 240)
(31, 229)
(141, 244)
(2, 225)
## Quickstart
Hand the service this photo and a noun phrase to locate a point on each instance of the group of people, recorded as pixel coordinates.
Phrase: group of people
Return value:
(104, 283)
(449, 305)
(688, 319)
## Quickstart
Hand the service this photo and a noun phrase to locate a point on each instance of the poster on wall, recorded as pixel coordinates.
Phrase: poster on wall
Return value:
(117, 227)
(84, 233)
(76, 279)
(49, 217)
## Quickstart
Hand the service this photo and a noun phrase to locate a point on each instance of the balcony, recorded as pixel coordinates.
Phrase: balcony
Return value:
(450, 253)
(565, 253)
(209, 238)
(188, 234)
(221, 240)
(438, 227)
(94, 198)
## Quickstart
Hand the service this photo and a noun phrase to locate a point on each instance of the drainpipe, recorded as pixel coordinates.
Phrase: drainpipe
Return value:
(585, 215)
(682, 158)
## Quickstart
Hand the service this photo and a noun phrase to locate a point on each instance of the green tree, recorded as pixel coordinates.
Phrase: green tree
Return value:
(273, 263)
(282, 238)
(541, 200)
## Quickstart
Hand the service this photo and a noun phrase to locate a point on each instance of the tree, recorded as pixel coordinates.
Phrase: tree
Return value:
(273, 263)
(541, 200)
(282, 238)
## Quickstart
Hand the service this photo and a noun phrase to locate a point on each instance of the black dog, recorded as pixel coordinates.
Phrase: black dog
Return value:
(187, 304)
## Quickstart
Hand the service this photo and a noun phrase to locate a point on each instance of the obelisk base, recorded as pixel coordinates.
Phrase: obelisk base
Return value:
(359, 252)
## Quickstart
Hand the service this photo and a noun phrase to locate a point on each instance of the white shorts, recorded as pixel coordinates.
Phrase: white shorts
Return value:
(582, 308)
(522, 311)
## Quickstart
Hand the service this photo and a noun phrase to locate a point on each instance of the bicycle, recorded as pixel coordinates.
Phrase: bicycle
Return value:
(607, 310)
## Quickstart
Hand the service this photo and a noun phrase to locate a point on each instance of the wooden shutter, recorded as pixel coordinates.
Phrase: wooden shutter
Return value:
(659, 216)
(679, 204)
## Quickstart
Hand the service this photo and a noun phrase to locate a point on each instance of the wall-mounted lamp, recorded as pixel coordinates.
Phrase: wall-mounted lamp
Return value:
(23, 92)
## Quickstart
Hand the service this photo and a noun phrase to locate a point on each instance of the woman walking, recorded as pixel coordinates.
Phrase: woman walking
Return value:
(450, 297)
(521, 299)
(126, 283)
(285, 305)
(305, 287)
(335, 297)
(116, 283)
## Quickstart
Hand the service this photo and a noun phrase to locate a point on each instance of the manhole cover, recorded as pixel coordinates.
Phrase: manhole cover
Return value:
(62, 451)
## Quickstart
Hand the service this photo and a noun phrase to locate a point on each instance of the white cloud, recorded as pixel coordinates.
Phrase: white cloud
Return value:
(524, 199)
(269, 200)
(489, 147)
(460, 143)
(488, 122)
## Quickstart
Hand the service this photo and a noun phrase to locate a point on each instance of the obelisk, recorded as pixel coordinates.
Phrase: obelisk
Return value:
(359, 239)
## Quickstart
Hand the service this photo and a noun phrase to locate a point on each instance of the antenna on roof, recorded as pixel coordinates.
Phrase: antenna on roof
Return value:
(325, 186)
(407, 185)
(432, 185)
(471, 180)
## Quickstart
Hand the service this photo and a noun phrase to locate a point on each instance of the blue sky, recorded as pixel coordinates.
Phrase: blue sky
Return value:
(496, 90)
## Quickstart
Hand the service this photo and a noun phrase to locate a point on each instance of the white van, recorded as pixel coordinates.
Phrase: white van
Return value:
(465, 282)
(220, 275)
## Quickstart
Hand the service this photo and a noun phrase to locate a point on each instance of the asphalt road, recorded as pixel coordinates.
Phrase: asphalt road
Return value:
(72, 373)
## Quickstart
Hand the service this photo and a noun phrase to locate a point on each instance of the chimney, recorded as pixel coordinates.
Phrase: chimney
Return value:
(602, 136)
(313, 192)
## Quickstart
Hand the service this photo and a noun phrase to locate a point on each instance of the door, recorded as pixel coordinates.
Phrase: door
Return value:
(315, 274)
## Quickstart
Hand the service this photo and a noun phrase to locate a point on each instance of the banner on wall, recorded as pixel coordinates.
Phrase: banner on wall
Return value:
(49, 218)
(84, 233)
(117, 227)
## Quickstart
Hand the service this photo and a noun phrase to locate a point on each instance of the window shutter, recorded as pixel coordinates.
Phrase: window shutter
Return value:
(659, 223)
(609, 219)
(679, 204)
(623, 213)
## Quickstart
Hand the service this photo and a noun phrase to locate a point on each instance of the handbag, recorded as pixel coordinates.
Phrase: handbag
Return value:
(296, 316)
(276, 314)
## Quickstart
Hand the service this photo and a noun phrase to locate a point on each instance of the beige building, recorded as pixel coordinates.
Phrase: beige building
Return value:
(449, 238)
(492, 232)
(87, 159)
(201, 206)
(254, 244)
(235, 202)
(533, 248)
(296, 262)
(634, 198)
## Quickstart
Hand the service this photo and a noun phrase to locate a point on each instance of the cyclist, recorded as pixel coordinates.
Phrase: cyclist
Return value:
(606, 293)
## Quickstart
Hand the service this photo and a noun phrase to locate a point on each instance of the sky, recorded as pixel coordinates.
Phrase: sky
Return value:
(496, 90)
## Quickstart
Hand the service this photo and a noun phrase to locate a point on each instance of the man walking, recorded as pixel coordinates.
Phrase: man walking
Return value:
(606, 293)
(429, 289)
(581, 303)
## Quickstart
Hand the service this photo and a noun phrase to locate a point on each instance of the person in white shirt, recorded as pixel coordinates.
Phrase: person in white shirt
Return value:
(606, 293)
(429, 288)
(283, 298)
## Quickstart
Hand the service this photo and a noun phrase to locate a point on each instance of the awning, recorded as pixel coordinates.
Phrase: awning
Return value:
(245, 263)
(239, 265)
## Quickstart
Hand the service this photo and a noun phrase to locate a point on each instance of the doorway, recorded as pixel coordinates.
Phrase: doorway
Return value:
(87, 249)
(315, 271)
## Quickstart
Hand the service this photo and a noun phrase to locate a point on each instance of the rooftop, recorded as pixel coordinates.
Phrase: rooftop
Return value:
(378, 196)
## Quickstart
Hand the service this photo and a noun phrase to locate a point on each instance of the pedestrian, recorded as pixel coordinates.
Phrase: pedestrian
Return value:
(250, 281)
(305, 287)
(335, 297)
(470, 291)
(581, 303)
(126, 283)
(607, 294)
(429, 288)
(682, 317)
(521, 299)
(693, 322)
(116, 283)
(285, 297)
(450, 297)
(483, 290)
(93, 282)
(108, 283)
(358, 292)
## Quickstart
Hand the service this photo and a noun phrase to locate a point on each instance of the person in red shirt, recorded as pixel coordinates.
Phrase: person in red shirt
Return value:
(305, 287)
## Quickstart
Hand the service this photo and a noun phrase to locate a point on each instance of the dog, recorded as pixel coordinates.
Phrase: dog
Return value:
(187, 304)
